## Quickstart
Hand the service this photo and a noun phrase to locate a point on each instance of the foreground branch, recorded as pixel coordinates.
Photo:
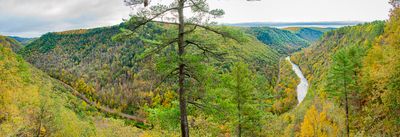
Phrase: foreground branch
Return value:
(158, 49)
(152, 18)
(206, 50)
(225, 35)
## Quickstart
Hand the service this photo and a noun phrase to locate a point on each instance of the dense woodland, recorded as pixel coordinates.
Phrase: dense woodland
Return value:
(282, 41)
(10, 43)
(33, 104)
(109, 69)
(311, 34)
(350, 68)
(91, 82)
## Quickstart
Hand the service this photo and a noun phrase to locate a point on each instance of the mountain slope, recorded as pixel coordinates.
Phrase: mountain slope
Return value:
(108, 72)
(297, 29)
(283, 41)
(23, 41)
(10, 43)
(372, 95)
(289, 24)
(311, 34)
(321, 53)
(322, 110)
(33, 104)
(381, 67)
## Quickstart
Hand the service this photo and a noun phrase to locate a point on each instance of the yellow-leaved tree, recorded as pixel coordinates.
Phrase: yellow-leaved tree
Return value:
(320, 123)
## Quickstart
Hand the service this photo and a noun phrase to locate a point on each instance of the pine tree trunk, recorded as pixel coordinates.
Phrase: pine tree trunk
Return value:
(347, 115)
(239, 108)
(181, 51)
(346, 103)
(240, 122)
(240, 118)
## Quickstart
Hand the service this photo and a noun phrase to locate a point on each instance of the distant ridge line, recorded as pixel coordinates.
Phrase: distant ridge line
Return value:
(295, 24)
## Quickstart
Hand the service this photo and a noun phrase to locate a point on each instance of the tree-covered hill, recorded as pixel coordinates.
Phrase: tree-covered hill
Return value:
(120, 75)
(321, 53)
(22, 40)
(312, 34)
(351, 66)
(10, 43)
(33, 104)
(353, 72)
(321, 29)
(283, 41)
(163, 73)
(309, 34)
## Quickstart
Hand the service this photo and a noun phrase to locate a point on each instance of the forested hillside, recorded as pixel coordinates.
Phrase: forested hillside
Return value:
(284, 94)
(311, 34)
(23, 41)
(283, 41)
(121, 75)
(33, 104)
(321, 109)
(316, 60)
(354, 69)
(163, 73)
(10, 43)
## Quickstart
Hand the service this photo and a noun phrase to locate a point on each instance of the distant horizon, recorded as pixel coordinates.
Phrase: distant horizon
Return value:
(35, 17)
(318, 24)
(322, 24)
(339, 21)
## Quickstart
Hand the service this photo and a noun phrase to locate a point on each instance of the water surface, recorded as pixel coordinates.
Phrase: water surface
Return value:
(303, 85)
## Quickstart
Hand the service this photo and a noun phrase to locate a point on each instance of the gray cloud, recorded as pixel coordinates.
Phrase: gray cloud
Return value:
(34, 17)
(31, 18)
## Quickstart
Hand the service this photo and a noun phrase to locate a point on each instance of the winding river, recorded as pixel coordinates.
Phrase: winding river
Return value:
(303, 85)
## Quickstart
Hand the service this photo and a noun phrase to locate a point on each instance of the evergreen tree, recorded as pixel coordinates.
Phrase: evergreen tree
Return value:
(174, 15)
(341, 80)
(242, 87)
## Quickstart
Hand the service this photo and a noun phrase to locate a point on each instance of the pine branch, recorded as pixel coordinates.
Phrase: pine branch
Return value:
(152, 18)
(173, 72)
(206, 50)
(158, 49)
(222, 34)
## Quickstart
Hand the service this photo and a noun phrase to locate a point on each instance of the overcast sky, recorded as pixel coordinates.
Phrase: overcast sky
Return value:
(31, 18)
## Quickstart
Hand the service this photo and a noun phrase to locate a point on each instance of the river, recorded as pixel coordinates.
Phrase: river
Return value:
(303, 85)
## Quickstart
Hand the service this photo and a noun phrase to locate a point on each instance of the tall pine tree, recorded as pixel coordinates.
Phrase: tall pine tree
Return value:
(175, 14)
(341, 80)
(242, 90)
